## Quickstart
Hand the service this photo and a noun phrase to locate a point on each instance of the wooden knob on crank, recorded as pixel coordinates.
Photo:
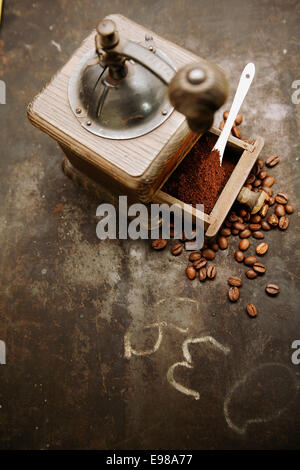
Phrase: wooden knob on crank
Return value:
(197, 91)
(253, 200)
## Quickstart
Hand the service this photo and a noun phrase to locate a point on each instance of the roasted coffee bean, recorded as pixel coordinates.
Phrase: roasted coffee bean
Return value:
(214, 246)
(259, 268)
(247, 217)
(264, 210)
(199, 263)
(208, 254)
(159, 244)
(254, 227)
(256, 190)
(177, 249)
(211, 272)
(232, 217)
(271, 201)
(272, 160)
(251, 274)
(258, 235)
(272, 289)
(283, 222)
(243, 213)
(268, 191)
(257, 183)
(235, 231)
(227, 223)
(238, 119)
(202, 274)
(255, 219)
(289, 209)
(265, 225)
(225, 232)
(225, 114)
(240, 219)
(221, 125)
(248, 186)
(191, 272)
(195, 255)
(250, 260)
(223, 242)
(239, 226)
(260, 163)
(269, 181)
(239, 256)
(235, 281)
(262, 248)
(250, 179)
(279, 210)
(236, 132)
(244, 244)
(245, 233)
(281, 198)
(251, 310)
(273, 220)
(262, 175)
(233, 294)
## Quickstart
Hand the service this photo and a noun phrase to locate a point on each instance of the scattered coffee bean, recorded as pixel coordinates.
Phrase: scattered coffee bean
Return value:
(159, 244)
(235, 231)
(191, 272)
(225, 114)
(262, 248)
(236, 132)
(262, 175)
(235, 281)
(222, 242)
(258, 235)
(272, 160)
(254, 227)
(273, 220)
(233, 294)
(259, 268)
(251, 274)
(268, 190)
(251, 310)
(271, 201)
(247, 217)
(283, 223)
(239, 256)
(260, 163)
(244, 244)
(279, 210)
(269, 181)
(272, 289)
(265, 225)
(232, 217)
(255, 219)
(238, 119)
(202, 274)
(281, 198)
(208, 254)
(227, 223)
(264, 210)
(225, 232)
(245, 233)
(215, 247)
(199, 263)
(243, 213)
(289, 209)
(257, 183)
(177, 249)
(211, 272)
(195, 255)
(250, 260)
(221, 125)
(239, 226)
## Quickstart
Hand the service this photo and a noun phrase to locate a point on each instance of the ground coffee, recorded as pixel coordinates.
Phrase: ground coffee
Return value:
(199, 179)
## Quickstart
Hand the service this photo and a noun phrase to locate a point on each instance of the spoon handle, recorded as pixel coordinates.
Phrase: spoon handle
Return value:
(241, 92)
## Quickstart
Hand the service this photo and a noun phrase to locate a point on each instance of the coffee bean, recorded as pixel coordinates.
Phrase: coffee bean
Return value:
(215, 247)
(235, 231)
(248, 186)
(279, 210)
(257, 183)
(177, 249)
(221, 125)
(225, 232)
(272, 289)
(236, 132)
(211, 272)
(250, 260)
(238, 119)
(223, 243)
(283, 223)
(258, 235)
(250, 179)
(159, 244)
(254, 227)
(251, 274)
(233, 294)
(239, 256)
(227, 223)
(244, 244)
(262, 248)
(195, 255)
(272, 160)
(281, 198)
(232, 217)
(191, 272)
(289, 209)
(268, 190)
(262, 175)
(247, 217)
(225, 114)
(245, 233)
(269, 181)
(271, 201)
(235, 281)
(265, 225)
(243, 213)
(202, 274)
(208, 254)
(259, 268)
(251, 310)
(255, 219)
(199, 263)
(264, 210)
(239, 226)
(260, 163)
(273, 220)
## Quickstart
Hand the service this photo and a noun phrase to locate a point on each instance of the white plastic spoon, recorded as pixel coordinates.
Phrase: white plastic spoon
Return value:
(241, 92)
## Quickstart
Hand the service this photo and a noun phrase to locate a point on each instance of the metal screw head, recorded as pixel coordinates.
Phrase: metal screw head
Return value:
(88, 123)
(78, 110)
(196, 76)
(164, 112)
